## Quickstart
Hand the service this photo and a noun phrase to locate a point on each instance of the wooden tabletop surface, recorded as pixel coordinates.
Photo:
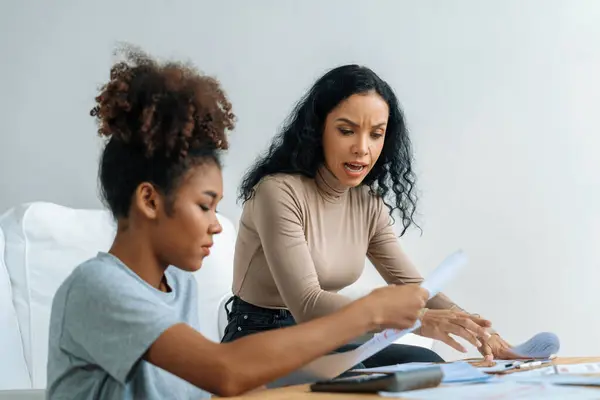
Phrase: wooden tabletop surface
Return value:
(303, 392)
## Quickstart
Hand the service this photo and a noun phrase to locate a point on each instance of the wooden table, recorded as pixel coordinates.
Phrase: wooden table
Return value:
(303, 392)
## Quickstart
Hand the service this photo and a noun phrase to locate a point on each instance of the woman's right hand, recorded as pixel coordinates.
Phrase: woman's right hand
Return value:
(397, 307)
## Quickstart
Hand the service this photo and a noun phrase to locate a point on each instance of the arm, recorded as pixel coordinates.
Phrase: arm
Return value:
(392, 263)
(111, 325)
(278, 221)
(233, 368)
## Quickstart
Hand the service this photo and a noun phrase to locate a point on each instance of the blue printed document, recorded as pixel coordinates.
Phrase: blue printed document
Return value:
(455, 372)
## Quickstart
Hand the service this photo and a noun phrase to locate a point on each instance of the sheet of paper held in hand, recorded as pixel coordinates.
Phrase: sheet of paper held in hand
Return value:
(330, 366)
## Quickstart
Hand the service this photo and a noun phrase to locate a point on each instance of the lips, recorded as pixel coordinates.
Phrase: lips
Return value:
(354, 166)
(207, 249)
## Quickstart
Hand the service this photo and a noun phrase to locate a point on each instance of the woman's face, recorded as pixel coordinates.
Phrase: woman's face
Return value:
(184, 236)
(353, 136)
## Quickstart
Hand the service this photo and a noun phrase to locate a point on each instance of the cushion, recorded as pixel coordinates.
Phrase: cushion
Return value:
(45, 242)
(13, 369)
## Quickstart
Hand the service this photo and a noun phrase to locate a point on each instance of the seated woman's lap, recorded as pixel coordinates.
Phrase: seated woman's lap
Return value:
(246, 319)
(397, 354)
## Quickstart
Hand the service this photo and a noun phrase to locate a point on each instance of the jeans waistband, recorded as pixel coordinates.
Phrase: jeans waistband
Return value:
(242, 306)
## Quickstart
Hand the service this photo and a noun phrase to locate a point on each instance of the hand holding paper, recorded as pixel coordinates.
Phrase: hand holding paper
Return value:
(330, 366)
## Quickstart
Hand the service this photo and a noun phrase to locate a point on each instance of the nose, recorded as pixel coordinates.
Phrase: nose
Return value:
(361, 146)
(215, 228)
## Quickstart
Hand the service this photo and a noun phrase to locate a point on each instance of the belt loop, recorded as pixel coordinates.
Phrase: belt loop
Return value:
(228, 312)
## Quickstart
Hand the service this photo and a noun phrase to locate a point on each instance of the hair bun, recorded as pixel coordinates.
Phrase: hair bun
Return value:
(165, 108)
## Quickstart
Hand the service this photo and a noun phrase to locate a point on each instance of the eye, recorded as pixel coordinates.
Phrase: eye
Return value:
(204, 207)
(376, 135)
(345, 131)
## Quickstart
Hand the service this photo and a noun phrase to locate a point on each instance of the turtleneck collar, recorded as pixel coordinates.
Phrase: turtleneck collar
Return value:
(329, 186)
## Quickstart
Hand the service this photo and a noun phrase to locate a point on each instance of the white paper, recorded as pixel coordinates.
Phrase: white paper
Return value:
(542, 345)
(508, 365)
(330, 366)
(499, 390)
(582, 368)
(570, 380)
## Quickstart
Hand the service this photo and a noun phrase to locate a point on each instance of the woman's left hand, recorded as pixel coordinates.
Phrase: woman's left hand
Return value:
(440, 324)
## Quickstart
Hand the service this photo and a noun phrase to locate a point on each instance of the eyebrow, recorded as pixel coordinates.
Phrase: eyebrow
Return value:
(211, 194)
(349, 122)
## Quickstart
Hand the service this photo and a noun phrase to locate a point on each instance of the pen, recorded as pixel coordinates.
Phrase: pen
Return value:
(529, 364)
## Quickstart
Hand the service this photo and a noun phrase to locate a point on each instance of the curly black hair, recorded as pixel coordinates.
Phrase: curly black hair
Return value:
(298, 148)
(159, 120)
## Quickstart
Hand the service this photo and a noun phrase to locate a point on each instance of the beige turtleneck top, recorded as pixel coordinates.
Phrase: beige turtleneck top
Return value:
(301, 240)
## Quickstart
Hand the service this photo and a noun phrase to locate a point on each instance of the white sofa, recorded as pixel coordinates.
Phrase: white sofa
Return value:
(41, 243)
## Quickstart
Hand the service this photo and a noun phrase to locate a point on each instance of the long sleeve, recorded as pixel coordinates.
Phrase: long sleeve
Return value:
(392, 263)
(278, 220)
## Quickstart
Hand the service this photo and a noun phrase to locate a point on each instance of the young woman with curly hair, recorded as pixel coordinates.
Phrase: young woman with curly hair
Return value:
(124, 324)
(319, 201)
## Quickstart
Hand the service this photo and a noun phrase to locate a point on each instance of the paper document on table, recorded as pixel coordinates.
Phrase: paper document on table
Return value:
(454, 372)
(501, 366)
(569, 380)
(583, 368)
(330, 366)
(499, 390)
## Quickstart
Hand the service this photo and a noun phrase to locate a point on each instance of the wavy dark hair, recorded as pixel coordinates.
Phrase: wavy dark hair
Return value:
(298, 148)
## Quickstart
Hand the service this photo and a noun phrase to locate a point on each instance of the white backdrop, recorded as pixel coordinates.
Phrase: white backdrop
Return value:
(501, 98)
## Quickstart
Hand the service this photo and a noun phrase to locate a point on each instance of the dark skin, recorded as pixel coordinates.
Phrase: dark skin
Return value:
(151, 239)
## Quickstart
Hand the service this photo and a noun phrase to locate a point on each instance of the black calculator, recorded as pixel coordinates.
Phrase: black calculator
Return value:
(402, 381)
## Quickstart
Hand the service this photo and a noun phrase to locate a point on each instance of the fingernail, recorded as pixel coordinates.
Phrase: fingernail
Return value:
(478, 343)
(488, 335)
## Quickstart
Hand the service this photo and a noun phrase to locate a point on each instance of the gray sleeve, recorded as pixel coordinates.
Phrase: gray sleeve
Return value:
(111, 320)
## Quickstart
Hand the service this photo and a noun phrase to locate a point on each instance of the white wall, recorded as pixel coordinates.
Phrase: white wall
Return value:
(501, 98)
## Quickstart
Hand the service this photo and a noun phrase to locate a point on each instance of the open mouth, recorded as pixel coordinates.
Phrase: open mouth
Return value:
(354, 167)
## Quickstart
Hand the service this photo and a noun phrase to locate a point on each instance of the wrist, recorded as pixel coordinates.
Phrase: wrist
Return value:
(368, 313)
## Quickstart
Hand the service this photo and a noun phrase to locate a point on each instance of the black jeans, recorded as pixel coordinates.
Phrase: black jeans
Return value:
(245, 319)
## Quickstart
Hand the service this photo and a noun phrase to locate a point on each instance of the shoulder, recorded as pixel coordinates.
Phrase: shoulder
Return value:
(101, 277)
(282, 188)
(282, 183)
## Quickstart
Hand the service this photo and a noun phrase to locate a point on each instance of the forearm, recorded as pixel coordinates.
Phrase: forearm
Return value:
(315, 303)
(442, 302)
(257, 359)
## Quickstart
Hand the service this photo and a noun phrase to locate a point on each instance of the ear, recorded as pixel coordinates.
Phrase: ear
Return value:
(148, 200)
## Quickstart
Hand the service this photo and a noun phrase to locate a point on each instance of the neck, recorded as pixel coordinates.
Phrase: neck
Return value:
(329, 186)
(133, 250)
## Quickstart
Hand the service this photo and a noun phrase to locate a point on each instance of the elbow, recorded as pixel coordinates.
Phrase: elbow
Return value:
(232, 380)
(229, 389)
(231, 385)
(316, 303)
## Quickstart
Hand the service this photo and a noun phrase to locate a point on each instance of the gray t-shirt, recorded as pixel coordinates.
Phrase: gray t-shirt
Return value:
(104, 319)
